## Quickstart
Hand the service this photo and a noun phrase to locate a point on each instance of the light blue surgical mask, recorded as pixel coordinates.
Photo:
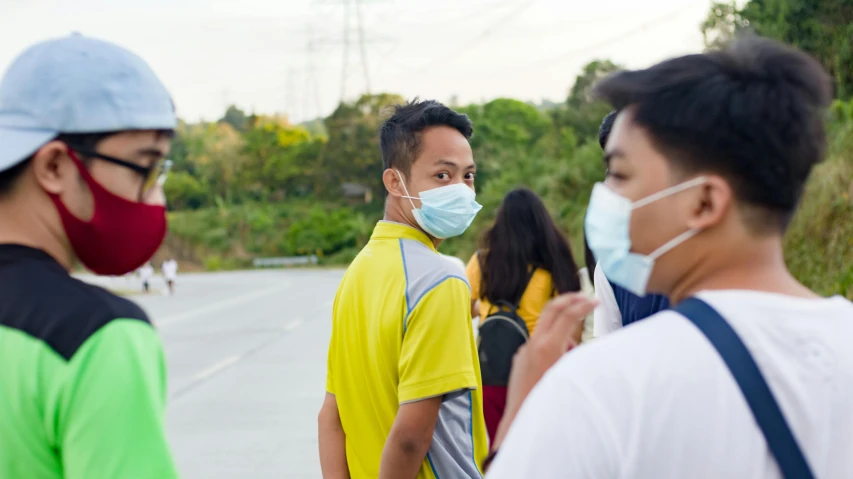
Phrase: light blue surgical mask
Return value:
(608, 233)
(446, 211)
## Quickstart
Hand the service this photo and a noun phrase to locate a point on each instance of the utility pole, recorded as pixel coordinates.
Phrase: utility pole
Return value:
(363, 40)
(290, 97)
(346, 51)
(362, 47)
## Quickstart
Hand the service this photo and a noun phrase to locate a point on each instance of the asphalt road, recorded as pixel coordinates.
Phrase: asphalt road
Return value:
(246, 355)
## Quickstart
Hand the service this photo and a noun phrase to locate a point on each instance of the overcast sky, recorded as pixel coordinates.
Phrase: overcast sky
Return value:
(255, 53)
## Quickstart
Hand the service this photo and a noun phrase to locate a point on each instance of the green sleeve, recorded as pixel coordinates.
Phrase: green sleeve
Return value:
(111, 411)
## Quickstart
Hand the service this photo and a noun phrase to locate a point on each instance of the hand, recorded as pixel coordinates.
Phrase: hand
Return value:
(554, 335)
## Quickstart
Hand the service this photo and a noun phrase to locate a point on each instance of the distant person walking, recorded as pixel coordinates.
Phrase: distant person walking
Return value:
(523, 263)
(85, 127)
(146, 272)
(170, 273)
(403, 391)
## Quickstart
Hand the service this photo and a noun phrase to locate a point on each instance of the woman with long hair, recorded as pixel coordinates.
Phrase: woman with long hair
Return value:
(525, 260)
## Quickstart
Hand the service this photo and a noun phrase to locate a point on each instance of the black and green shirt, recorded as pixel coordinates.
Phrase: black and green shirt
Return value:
(82, 378)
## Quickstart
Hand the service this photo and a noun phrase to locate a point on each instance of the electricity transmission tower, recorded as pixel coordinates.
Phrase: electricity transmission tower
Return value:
(346, 42)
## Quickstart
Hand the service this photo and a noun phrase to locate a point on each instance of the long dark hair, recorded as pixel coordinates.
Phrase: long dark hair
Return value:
(523, 235)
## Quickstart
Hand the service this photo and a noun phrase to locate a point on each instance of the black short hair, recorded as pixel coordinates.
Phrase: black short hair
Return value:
(86, 141)
(90, 141)
(752, 112)
(9, 176)
(400, 135)
(606, 126)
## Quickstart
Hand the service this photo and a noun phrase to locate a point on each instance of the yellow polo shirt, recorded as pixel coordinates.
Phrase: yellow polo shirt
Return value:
(401, 332)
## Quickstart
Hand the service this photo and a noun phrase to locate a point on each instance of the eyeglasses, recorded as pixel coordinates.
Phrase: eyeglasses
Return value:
(153, 176)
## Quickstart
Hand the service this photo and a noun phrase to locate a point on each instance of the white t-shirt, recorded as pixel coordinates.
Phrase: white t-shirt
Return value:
(655, 400)
(607, 317)
(170, 269)
(146, 272)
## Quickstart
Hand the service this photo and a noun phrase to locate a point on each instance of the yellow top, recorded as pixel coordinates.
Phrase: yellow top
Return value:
(539, 291)
(401, 332)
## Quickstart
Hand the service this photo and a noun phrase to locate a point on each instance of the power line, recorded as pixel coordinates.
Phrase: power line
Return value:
(563, 56)
(512, 15)
(457, 19)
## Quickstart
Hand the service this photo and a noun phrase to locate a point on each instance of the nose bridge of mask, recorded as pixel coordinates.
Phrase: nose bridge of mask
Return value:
(447, 195)
(669, 192)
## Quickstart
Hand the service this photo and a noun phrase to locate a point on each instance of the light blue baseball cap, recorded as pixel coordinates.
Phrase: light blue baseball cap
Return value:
(77, 84)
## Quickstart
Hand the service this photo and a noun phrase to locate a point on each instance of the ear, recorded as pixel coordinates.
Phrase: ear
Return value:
(49, 170)
(712, 203)
(393, 184)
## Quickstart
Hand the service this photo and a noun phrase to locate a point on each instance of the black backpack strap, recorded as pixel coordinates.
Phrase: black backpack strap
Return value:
(780, 440)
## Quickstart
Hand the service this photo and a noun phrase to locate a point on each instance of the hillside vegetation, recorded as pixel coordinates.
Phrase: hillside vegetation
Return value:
(250, 186)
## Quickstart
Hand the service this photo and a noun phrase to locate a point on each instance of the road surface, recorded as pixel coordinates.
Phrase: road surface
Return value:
(246, 354)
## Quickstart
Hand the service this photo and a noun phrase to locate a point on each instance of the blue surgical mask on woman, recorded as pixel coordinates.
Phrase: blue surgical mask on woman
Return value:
(446, 211)
(608, 233)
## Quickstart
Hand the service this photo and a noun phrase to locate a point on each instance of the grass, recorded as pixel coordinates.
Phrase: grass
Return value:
(819, 243)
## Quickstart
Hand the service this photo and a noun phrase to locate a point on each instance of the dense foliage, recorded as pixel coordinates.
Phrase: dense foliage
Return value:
(250, 186)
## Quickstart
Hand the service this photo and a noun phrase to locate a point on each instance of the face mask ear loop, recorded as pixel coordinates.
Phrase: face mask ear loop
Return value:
(410, 198)
(669, 191)
(669, 245)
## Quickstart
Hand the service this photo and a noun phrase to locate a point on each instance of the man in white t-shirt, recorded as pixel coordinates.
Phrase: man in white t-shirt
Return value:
(706, 165)
(145, 274)
(170, 273)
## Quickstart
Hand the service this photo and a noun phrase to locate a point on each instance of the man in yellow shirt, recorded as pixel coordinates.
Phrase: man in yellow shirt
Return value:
(403, 383)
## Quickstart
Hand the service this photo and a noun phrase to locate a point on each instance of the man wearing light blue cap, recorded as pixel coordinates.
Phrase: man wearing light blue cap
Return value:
(84, 130)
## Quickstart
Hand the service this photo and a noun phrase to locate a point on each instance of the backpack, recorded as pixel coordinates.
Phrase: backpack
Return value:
(500, 336)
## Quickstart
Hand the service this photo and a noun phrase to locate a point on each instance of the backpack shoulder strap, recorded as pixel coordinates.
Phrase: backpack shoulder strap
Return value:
(526, 284)
(780, 439)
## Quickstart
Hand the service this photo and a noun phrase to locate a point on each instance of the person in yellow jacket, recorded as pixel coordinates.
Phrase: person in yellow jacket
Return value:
(525, 260)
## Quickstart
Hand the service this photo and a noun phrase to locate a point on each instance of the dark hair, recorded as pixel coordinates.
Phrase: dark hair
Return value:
(603, 136)
(523, 235)
(400, 135)
(752, 113)
(606, 126)
(86, 141)
(90, 141)
(589, 259)
(9, 176)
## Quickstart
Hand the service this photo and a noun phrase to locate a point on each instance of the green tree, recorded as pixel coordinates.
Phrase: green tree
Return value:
(723, 23)
(282, 158)
(824, 28)
(507, 125)
(583, 112)
(185, 192)
(217, 154)
(236, 118)
(352, 152)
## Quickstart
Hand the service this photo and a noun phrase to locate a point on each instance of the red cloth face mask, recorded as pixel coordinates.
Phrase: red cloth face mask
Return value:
(121, 236)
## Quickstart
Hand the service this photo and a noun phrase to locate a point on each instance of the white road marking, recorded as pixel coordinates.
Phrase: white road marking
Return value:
(227, 303)
(293, 325)
(216, 368)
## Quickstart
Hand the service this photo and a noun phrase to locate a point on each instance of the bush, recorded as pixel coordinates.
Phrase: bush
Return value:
(819, 242)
